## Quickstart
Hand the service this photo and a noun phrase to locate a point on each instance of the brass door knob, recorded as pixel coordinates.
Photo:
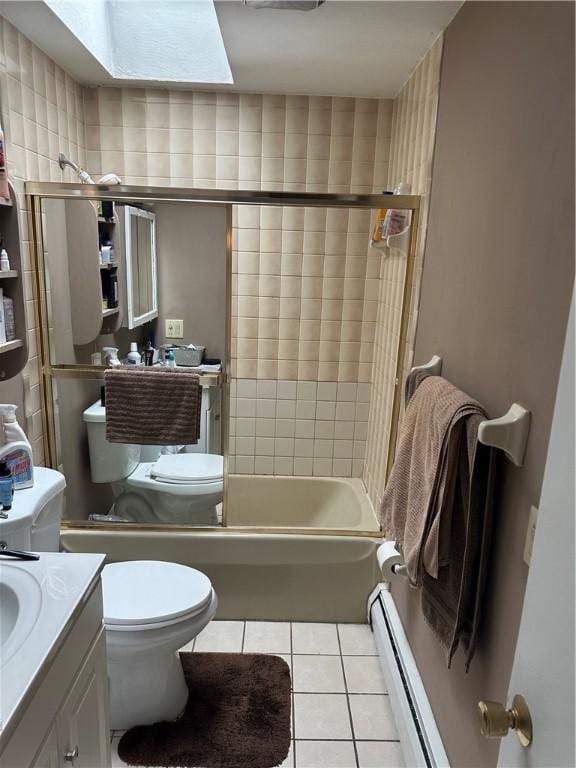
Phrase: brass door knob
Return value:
(496, 720)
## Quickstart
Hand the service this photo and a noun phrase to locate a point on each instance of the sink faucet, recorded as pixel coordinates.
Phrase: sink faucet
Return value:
(16, 553)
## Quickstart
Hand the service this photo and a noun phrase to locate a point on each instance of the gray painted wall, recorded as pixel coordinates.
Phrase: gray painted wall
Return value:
(191, 247)
(498, 273)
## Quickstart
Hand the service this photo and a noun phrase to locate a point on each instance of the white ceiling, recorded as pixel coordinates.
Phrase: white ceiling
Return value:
(344, 48)
(363, 48)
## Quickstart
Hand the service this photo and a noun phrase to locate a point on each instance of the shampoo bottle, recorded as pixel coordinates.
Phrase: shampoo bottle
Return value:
(16, 451)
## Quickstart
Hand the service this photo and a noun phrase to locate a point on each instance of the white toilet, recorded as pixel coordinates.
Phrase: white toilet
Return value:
(182, 488)
(151, 609)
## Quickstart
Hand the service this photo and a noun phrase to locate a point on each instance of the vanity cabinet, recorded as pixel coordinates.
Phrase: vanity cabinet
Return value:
(82, 740)
(66, 724)
(77, 737)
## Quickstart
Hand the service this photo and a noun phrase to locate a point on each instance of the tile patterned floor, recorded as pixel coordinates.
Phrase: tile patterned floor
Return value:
(340, 706)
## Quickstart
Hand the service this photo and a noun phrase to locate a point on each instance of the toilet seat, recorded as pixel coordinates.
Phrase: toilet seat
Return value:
(181, 474)
(150, 594)
(188, 468)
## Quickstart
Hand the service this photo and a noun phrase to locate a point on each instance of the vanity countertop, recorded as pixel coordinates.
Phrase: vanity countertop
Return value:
(54, 590)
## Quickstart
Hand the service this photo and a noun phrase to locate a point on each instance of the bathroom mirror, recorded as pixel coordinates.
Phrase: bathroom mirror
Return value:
(154, 277)
(140, 259)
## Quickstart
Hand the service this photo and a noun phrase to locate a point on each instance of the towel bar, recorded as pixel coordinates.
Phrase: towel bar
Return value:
(434, 367)
(509, 433)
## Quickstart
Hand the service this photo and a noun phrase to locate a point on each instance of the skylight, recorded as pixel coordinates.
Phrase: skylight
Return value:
(150, 40)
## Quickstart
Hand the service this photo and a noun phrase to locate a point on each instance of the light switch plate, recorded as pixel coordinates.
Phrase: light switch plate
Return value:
(530, 533)
(174, 329)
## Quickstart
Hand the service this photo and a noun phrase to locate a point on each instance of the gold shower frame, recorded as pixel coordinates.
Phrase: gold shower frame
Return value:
(37, 191)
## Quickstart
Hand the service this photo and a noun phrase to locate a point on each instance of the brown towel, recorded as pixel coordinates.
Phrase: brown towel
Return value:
(437, 506)
(158, 406)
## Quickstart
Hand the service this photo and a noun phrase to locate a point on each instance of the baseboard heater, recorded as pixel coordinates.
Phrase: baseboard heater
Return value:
(419, 735)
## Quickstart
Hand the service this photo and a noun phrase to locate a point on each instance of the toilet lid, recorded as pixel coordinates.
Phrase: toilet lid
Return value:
(188, 467)
(152, 591)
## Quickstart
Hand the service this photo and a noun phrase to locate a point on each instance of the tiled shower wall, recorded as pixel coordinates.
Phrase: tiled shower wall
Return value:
(42, 115)
(413, 131)
(305, 283)
(298, 427)
(314, 307)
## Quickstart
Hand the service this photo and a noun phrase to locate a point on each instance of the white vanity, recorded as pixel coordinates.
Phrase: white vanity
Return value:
(53, 679)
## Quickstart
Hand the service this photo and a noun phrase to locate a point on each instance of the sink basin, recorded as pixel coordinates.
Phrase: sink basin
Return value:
(20, 603)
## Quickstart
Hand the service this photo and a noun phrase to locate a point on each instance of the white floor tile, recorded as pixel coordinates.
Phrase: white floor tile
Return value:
(357, 640)
(364, 674)
(315, 638)
(380, 754)
(372, 717)
(325, 754)
(267, 637)
(318, 674)
(223, 636)
(323, 717)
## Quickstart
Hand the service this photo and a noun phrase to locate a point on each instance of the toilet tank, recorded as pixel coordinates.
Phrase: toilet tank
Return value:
(210, 423)
(33, 523)
(109, 462)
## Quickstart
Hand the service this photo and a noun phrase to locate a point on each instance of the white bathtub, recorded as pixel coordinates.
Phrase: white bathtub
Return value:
(330, 503)
(316, 560)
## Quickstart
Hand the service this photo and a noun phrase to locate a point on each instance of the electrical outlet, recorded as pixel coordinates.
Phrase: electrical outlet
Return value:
(530, 533)
(174, 329)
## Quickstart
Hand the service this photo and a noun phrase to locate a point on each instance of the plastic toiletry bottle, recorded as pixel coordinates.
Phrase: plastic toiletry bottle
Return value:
(107, 250)
(112, 294)
(149, 354)
(6, 486)
(170, 359)
(16, 451)
(4, 261)
(9, 323)
(134, 357)
(110, 355)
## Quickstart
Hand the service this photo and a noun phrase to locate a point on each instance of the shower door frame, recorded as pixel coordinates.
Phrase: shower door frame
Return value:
(49, 371)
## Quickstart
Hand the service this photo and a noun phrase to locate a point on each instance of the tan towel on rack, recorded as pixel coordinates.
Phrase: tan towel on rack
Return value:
(158, 406)
(434, 500)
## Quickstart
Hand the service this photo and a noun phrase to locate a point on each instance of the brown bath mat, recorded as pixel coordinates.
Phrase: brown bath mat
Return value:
(237, 716)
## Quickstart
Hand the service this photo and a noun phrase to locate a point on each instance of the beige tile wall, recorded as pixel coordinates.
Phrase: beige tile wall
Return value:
(290, 427)
(412, 146)
(311, 303)
(42, 115)
(305, 283)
